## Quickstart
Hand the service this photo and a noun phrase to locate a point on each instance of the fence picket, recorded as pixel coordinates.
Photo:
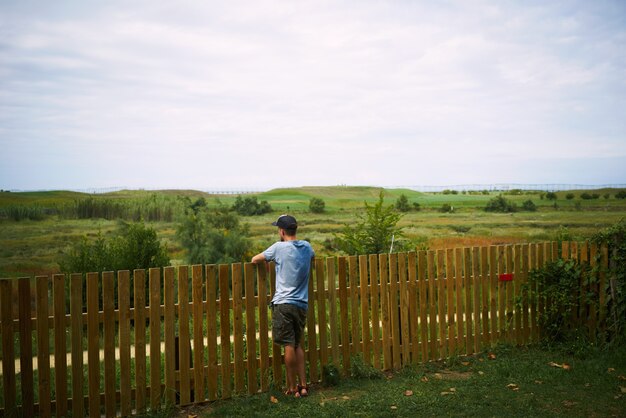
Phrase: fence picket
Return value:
(593, 287)
(432, 304)
(311, 335)
(533, 253)
(467, 289)
(43, 346)
(332, 314)
(451, 321)
(250, 328)
(225, 330)
(198, 338)
(183, 335)
(76, 312)
(123, 284)
(263, 327)
(343, 304)
(423, 303)
(93, 344)
(484, 288)
(170, 333)
(364, 310)
(413, 318)
(375, 304)
(211, 321)
(60, 344)
(441, 303)
(321, 311)
(517, 281)
(139, 303)
(476, 301)
(110, 376)
(155, 337)
(493, 292)
(383, 273)
(394, 308)
(8, 353)
(238, 327)
(524, 296)
(277, 360)
(356, 345)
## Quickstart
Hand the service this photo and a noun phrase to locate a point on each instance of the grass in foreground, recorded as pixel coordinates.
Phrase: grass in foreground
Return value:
(512, 382)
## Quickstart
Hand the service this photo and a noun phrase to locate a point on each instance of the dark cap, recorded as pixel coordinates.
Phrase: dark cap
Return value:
(286, 222)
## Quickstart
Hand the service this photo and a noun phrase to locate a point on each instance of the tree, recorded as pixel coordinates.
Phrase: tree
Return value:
(213, 235)
(317, 205)
(373, 233)
(402, 203)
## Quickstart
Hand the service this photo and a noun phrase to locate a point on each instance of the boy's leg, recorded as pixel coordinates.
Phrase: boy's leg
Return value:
(301, 367)
(291, 366)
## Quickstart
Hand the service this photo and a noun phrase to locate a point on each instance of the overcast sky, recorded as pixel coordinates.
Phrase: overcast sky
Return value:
(264, 94)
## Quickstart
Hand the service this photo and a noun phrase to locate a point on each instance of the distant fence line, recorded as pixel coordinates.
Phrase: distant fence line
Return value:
(391, 309)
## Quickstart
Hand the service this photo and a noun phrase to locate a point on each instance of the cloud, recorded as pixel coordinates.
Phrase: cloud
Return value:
(356, 92)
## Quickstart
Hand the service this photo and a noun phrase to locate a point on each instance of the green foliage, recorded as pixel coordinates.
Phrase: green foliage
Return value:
(373, 232)
(360, 370)
(615, 238)
(23, 212)
(213, 235)
(558, 285)
(570, 196)
(448, 191)
(134, 246)
(446, 208)
(500, 204)
(551, 196)
(529, 206)
(416, 207)
(331, 376)
(317, 205)
(621, 194)
(250, 206)
(402, 203)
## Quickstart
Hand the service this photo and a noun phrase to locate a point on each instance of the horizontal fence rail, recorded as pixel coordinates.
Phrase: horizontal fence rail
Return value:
(126, 342)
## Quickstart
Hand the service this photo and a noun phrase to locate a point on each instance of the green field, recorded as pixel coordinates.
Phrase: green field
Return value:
(32, 247)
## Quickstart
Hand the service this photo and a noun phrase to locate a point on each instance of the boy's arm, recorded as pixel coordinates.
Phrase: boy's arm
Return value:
(259, 258)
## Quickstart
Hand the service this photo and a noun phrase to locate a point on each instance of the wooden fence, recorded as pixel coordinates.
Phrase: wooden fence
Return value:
(121, 343)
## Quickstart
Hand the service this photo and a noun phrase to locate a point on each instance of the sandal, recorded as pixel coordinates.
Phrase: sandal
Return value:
(294, 393)
(303, 390)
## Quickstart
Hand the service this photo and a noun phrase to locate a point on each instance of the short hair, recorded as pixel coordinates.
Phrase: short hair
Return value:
(291, 232)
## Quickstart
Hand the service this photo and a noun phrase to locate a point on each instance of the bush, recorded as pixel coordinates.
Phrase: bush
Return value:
(317, 205)
(446, 208)
(373, 232)
(570, 196)
(559, 282)
(500, 204)
(586, 196)
(551, 196)
(621, 194)
(615, 238)
(134, 246)
(416, 207)
(250, 206)
(448, 191)
(529, 206)
(402, 204)
(360, 370)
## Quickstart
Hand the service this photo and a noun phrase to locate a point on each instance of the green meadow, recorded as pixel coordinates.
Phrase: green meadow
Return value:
(47, 223)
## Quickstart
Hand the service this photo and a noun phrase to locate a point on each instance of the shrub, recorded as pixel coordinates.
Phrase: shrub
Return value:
(373, 232)
(416, 207)
(570, 196)
(317, 205)
(251, 206)
(134, 246)
(559, 282)
(448, 191)
(551, 196)
(360, 370)
(446, 208)
(621, 194)
(529, 206)
(586, 196)
(500, 204)
(402, 204)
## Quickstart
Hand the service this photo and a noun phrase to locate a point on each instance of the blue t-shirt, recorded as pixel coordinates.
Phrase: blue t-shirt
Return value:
(293, 263)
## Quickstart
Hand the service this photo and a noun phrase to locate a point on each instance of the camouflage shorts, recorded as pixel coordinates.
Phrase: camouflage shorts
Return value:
(288, 323)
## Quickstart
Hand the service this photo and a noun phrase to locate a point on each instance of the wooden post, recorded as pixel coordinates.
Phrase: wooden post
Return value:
(198, 337)
(375, 296)
(423, 301)
(451, 322)
(139, 285)
(413, 318)
(333, 315)
(93, 344)
(170, 334)
(155, 337)
(460, 310)
(250, 328)
(383, 274)
(393, 310)
(441, 302)
(321, 311)
(183, 335)
(8, 352)
(476, 286)
(225, 330)
(432, 304)
(365, 310)
(311, 334)
(343, 304)
(404, 310)
(110, 376)
(76, 312)
(238, 327)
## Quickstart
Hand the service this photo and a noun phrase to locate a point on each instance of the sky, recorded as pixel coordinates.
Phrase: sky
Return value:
(265, 94)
